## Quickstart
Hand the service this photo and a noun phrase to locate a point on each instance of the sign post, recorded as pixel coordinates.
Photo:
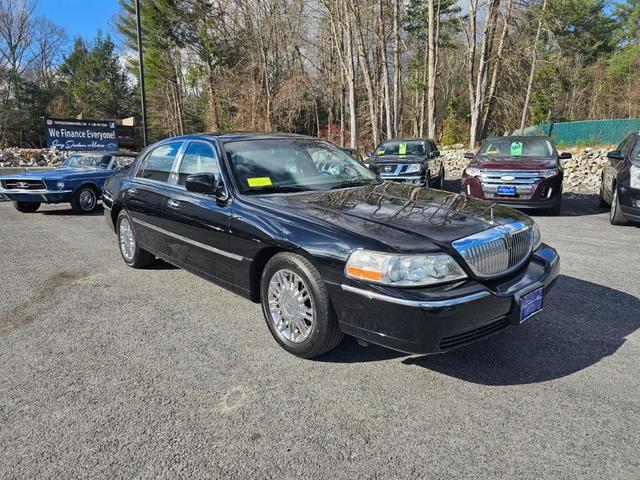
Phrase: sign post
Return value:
(85, 135)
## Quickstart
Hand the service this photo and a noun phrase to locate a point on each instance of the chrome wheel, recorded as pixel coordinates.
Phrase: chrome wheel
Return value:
(87, 200)
(290, 306)
(127, 240)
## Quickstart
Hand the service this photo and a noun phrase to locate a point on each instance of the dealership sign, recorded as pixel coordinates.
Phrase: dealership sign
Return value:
(71, 134)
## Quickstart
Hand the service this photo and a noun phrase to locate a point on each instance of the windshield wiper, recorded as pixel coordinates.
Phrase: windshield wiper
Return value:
(279, 188)
(353, 183)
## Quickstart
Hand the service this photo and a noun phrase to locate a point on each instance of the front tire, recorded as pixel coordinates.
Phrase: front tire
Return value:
(85, 200)
(297, 307)
(616, 217)
(26, 207)
(557, 205)
(132, 254)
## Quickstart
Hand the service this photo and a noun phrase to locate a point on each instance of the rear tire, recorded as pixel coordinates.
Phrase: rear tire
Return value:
(440, 185)
(84, 200)
(297, 307)
(132, 254)
(26, 207)
(616, 217)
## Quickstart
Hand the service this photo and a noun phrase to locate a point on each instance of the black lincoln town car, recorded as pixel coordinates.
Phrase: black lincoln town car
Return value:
(326, 246)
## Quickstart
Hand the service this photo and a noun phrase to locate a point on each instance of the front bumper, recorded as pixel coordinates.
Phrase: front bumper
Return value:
(542, 195)
(439, 319)
(42, 196)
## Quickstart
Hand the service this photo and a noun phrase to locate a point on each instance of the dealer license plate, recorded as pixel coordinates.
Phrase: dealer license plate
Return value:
(506, 190)
(530, 304)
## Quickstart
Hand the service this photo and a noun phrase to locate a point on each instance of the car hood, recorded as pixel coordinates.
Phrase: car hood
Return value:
(55, 173)
(397, 214)
(395, 159)
(514, 163)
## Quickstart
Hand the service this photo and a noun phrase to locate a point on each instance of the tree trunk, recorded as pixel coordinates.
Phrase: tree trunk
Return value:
(532, 72)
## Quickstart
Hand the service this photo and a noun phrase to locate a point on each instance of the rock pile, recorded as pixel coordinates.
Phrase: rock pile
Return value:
(31, 157)
(582, 172)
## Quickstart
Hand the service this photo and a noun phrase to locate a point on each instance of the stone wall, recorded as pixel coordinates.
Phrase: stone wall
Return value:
(31, 157)
(581, 173)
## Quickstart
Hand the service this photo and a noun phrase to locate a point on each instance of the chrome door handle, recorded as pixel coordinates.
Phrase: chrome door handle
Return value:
(173, 203)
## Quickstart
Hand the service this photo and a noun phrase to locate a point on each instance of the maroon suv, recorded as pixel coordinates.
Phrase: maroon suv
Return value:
(521, 172)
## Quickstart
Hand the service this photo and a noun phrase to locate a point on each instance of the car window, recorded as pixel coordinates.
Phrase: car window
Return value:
(636, 152)
(404, 147)
(198, 158)
(157, 165)
(516, 147)
(87, 161)
(625, 145)
(122, 162)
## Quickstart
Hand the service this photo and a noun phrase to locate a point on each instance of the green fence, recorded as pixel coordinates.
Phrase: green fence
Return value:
(587, 132)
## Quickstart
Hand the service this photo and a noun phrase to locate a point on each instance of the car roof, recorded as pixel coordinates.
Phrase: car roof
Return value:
(409, 140)
(239, 136)
(113, 154)
(520, 137)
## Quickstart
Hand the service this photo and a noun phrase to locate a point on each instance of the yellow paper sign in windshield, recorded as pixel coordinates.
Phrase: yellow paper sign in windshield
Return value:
(402, 149)
(259, 181)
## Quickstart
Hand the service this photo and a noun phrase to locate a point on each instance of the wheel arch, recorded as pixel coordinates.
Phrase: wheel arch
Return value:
(262, 258)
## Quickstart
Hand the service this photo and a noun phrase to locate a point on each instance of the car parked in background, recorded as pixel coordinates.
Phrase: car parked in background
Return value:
(78, 180)
(620, 186)
(416, 161)
(352, 152)
(521, 172)
(326, 246)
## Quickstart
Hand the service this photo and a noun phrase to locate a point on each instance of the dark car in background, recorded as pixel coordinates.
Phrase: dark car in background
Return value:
(415, 161)
(521, 172)
(352, 152)
(326, 246)
(78, 180)
(620, 186)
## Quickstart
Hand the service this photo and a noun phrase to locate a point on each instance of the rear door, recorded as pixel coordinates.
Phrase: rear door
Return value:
(146, 194)
(198, 224)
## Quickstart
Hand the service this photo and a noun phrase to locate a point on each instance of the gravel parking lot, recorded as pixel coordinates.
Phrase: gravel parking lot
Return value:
(109, 372)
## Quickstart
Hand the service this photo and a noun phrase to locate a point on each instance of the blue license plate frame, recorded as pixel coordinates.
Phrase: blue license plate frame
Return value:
(508, 190)
(531, 304)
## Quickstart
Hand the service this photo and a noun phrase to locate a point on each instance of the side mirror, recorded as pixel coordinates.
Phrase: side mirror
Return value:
(565, 156)
(370, 154)
(615, 155)
(435, 154)
(205, 183)
(469, 155)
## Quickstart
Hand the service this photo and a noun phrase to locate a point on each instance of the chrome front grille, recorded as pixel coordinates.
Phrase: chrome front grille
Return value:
(498, 250)
(18, 184)
(524, 181)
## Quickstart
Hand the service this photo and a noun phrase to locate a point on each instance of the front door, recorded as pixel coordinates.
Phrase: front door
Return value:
(198, 224)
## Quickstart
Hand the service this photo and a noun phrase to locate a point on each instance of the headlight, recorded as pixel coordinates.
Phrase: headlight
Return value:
(403, 270)
(416, 167)
(634, 180)
(548, 173)
(472, 171)
(60, 185)
(536, 237)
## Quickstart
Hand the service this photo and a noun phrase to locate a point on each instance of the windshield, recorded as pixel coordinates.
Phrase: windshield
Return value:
(292, 164)
(87, 161)
(399, 147)
(516, 147)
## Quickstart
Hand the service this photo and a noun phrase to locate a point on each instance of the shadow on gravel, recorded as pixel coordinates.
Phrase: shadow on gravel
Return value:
(583, 323)
(69, 212)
